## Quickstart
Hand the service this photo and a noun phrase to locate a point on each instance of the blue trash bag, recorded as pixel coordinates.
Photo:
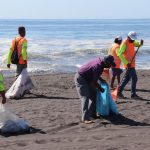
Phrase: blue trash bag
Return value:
(104, 102)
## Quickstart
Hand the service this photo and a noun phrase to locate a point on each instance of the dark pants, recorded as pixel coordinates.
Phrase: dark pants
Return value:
(19, 69)
(130, 74)
(87, 95)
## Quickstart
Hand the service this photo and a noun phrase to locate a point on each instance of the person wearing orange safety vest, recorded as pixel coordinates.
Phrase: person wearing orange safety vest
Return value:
(116, 71)
(126, 53)
(22, 51)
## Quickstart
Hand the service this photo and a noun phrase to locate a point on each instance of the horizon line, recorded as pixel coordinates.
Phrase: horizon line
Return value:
(74, 19)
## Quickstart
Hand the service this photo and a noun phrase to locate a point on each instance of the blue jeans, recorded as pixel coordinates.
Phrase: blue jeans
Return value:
(130, 74)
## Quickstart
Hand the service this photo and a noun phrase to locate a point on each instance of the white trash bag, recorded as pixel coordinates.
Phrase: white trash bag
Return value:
(22, 84)
(10, 123)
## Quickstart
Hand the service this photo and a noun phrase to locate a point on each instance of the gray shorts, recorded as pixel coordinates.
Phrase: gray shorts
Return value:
(19, 69)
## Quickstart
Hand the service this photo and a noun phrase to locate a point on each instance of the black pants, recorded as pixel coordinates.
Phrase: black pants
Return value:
(19, 69)
(130, 74)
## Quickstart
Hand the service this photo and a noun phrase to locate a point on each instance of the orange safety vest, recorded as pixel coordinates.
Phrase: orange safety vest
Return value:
(113, 53)
(129, 53)
(19, 41)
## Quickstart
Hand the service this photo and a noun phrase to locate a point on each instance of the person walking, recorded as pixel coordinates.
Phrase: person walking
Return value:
(116, 71)
(86, 81)
(21, 44)
(126, 53)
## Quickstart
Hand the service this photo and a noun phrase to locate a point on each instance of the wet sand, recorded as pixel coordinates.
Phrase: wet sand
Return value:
(53, 110)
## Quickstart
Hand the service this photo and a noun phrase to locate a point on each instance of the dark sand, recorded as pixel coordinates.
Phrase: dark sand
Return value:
(53, 110)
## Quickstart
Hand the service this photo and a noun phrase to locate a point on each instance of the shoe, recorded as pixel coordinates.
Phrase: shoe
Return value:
(95, 117)
(121, 96)
(27, 92)
(112, 88)
(135, 96)
(88, 121)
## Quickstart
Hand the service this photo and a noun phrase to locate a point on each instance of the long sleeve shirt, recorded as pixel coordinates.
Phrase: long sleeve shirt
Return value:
(23, 52)
(122, 49)
(2, 87)
(92, 71)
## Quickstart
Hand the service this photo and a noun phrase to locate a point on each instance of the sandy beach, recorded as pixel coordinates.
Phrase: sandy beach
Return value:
(52, 109)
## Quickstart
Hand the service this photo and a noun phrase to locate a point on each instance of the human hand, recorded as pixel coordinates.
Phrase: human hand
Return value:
(102, 80)
(129, 65)
(101, 90)
(8, 65)
(25, 61)
(2, 93)
(4, 100)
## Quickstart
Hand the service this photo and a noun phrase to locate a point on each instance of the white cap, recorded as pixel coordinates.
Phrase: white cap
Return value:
(132, 35)
(119, 38)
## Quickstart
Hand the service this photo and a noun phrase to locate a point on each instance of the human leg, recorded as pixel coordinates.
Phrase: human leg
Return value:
(124, 82)
(19, 69)
(112, 81)
(133, 85)
(120, 71)
(118, 79)
(92, 108)
(134, 80)
(87, 103)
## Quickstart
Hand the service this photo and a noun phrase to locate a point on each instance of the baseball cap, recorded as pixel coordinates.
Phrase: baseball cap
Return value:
(119, 38)
(110, 59)
(132, 35)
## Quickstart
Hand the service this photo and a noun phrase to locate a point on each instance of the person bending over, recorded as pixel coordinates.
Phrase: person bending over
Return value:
(86, 81)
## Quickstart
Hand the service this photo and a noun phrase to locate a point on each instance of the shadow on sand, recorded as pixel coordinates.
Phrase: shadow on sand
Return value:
(139, 90)
(30, 131)
(142, 90)
(33, 96)
(122, 120)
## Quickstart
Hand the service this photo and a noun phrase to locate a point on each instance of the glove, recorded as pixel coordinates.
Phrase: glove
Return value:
(129, 65)
(4, 100)
(142, 42)
(101, 90)
(8, 65)
(25, 61)
(102, 80)
(3, 97)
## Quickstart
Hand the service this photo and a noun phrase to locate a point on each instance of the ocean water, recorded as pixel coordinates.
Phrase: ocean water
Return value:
(64, 45)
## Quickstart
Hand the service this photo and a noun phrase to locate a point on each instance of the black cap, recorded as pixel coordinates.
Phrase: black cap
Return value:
(110, 59)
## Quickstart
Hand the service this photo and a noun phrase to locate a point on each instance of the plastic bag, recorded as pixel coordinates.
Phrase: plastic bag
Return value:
(104, 103)
(20, 86)
(10, 123)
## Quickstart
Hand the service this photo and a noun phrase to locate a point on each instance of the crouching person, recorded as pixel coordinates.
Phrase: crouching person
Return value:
(2, 88)
(86, 81)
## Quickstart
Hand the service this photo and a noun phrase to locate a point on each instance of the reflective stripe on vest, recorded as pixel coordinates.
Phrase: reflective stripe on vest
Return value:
(2, 87)
(20, 41)
(129, 52)
(113, 53)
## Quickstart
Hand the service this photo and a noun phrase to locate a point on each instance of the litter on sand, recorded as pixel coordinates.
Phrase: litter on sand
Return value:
(10, 123)
(20, 86)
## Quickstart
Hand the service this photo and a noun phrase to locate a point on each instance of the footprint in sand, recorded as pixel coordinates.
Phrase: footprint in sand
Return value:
(97, 138)
(22, 144)
(40, 141)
